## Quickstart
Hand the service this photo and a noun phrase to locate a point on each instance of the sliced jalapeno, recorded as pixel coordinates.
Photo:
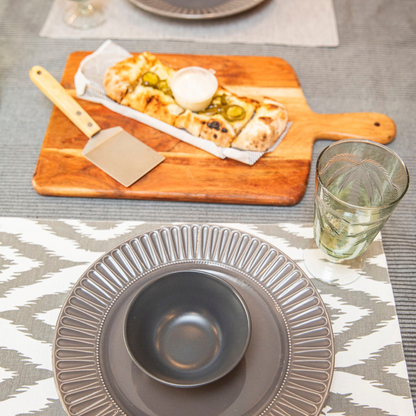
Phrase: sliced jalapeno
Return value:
(150, 78)
(224, 100)
(219, 100)
(216, 101)
(212, 109)
(233, 113)
(163, 86)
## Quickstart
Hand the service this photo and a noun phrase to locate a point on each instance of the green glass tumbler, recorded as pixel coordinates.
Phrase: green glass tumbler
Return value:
(357, 187)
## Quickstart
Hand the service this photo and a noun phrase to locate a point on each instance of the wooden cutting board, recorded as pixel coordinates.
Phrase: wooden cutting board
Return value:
(188, 173)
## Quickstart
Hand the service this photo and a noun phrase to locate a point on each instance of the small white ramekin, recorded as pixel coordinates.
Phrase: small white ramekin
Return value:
(199, 103)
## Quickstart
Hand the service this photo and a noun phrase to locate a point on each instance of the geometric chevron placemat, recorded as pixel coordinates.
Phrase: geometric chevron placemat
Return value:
(40, 260)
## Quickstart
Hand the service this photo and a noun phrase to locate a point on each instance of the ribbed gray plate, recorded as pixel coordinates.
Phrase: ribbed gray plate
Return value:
(287, 369)
(199, 9)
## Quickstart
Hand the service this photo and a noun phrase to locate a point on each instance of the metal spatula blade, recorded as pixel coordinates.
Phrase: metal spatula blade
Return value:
(116, 152)
(121, 155)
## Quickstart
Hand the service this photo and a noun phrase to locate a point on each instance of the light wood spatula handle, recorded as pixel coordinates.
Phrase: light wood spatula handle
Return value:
(57, 94)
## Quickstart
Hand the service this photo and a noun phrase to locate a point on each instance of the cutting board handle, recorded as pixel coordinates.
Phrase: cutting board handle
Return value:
(371, 126)
(57, 94)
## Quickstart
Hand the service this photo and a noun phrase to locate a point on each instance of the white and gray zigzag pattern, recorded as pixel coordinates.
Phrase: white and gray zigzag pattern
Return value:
(41, 260)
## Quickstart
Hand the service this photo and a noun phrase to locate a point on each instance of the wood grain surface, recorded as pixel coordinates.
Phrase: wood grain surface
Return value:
(191, 174)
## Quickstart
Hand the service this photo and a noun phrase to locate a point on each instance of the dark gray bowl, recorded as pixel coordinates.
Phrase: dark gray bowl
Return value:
(187, 329)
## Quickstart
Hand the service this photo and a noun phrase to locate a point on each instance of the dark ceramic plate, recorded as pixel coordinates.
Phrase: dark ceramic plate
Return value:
(287, 368)
(196, 9)
(187, 329)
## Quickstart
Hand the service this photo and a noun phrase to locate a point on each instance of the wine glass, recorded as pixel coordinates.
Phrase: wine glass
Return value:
(358, 185)
(84, 14)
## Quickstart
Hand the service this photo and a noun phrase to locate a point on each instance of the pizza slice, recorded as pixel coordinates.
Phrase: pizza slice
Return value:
(217, 130)
(163, 72)
(222, 120)
(153, 102)
(192, 122)
(264, 128)
(213, 128)
(237, 111)
(152, 95)
(123, 76)
(138, 98)
(163, 107)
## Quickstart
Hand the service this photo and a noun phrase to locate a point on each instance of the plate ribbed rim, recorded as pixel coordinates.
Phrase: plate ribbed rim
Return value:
(75, 353)
(168, 9)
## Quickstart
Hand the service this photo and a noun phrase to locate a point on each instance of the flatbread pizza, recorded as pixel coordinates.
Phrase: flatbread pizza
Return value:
(143, 83)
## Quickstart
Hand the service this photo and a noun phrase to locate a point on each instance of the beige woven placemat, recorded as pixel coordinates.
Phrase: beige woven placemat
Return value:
(285, 22)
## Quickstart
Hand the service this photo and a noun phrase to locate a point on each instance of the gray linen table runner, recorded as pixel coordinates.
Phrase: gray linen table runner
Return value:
(40, 260)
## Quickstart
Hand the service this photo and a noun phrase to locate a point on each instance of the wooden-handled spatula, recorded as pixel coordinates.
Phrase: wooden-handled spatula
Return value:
(116, 152)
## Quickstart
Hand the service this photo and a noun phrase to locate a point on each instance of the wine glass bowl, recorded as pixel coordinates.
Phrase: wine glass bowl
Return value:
(84, 14)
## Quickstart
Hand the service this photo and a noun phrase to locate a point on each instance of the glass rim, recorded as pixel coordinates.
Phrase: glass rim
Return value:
(372, 143)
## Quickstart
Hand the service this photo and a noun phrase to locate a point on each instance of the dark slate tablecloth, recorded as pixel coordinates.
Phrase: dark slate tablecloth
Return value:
(374, 69)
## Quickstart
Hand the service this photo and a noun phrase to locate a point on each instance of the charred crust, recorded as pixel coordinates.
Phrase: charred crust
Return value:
(224, 130)
(214, 125)
(266, 120)
(215, 136)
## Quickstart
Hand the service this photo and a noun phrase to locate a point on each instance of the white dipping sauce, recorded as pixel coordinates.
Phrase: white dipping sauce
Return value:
(194, 87)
